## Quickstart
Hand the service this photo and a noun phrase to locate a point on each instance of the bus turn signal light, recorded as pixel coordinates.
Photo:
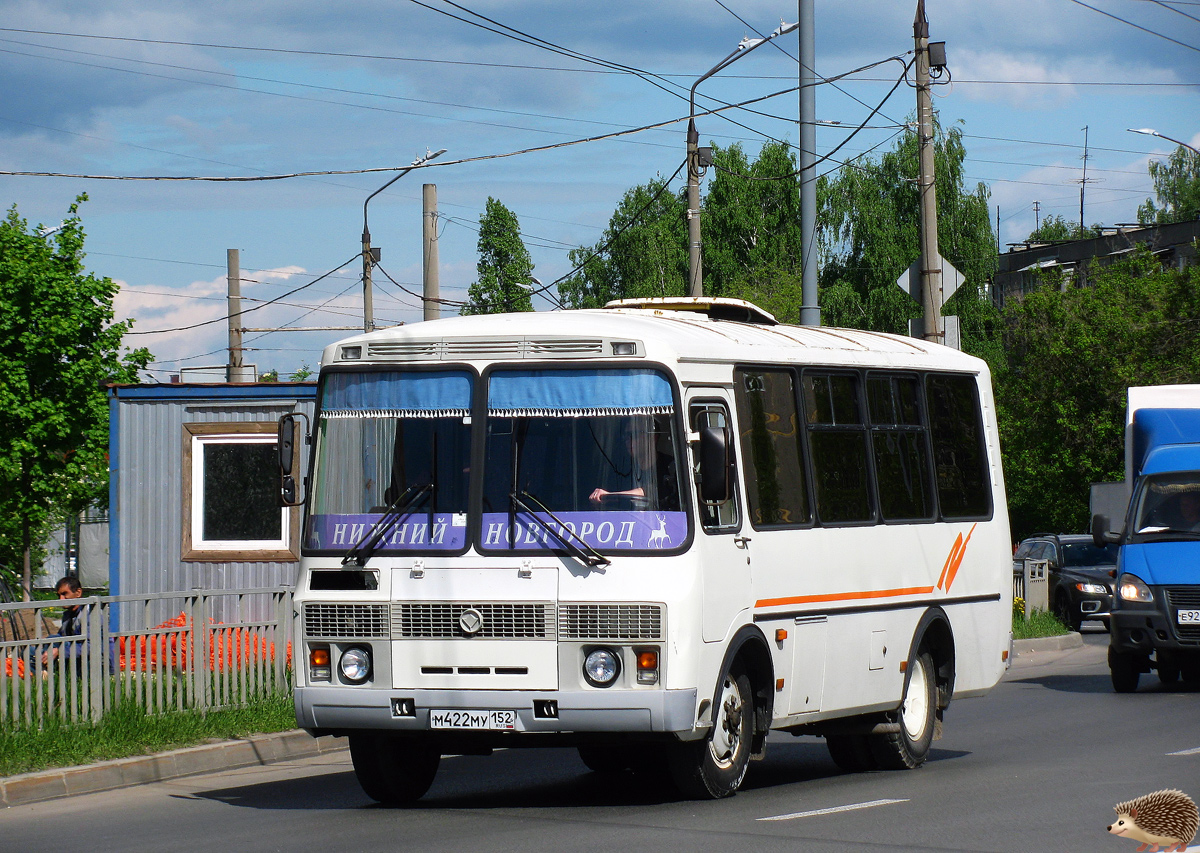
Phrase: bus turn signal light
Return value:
(318, 664)
(647, 666)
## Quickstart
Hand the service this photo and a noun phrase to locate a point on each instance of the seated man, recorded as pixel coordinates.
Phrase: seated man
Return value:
(653, 483)
(72, 621)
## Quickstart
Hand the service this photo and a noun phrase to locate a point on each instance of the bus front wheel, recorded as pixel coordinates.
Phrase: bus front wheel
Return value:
(714, 766)
(908, 747)
(391, 770)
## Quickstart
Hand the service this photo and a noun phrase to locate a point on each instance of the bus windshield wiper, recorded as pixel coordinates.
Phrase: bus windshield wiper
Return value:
(364, 548)
(571, 540)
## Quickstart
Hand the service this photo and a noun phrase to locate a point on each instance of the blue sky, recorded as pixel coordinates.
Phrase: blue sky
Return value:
(232, 89)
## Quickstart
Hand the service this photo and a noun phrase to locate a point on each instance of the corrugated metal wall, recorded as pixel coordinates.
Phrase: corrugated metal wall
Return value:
(147, 498)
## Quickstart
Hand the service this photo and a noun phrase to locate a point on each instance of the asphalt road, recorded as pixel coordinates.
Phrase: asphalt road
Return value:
(1036, 765)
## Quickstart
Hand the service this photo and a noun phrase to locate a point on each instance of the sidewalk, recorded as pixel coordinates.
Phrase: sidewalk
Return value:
(142, 769)
(258, 750)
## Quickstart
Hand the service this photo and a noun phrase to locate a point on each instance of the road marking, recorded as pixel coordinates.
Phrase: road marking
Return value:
(1186, 752)
(835, 810)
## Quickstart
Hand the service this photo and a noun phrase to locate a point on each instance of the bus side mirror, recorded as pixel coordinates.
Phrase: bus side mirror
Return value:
(286, 443)
(715, 464)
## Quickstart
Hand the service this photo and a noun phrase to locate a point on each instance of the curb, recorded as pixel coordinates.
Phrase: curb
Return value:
(1062, 642)
(253, 751)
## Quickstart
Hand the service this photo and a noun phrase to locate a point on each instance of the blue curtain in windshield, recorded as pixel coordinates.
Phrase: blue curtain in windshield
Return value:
(392, 394)
(578, 393)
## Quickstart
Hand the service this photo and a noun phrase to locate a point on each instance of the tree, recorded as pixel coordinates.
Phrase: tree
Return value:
(1069, 356)
(642, 253)
(58, 348)
(504, 268)
(1056, 229)
(1177, 186)
(868, 230)
(752, 232)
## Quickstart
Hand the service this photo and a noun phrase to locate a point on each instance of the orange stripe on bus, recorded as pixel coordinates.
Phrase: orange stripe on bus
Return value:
(844, 596)
(958, 558)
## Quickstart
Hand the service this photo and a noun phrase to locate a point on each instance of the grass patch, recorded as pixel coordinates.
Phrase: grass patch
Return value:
(1040, 624)
(128, 730)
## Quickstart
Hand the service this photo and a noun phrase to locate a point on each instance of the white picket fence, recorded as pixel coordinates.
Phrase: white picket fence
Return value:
(193, 660)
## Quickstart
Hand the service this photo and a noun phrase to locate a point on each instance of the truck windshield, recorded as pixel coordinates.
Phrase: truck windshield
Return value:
(596, 448)
(1168, 504)
(383, 434)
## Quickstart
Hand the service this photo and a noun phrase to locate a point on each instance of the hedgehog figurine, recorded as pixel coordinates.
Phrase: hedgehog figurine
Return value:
(1162, 818)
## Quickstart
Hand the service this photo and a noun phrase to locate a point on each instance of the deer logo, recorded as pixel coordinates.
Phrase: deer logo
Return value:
(659, 537)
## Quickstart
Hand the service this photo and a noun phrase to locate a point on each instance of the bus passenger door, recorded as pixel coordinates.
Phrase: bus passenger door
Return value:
(724, 551)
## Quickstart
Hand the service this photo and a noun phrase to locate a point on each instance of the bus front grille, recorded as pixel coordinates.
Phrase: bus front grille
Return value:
(346, 620)
(437, 620)
(610, 621)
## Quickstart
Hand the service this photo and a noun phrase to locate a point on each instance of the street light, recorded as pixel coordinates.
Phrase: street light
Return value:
(371, 256)
(1151, 132)
(698, 158)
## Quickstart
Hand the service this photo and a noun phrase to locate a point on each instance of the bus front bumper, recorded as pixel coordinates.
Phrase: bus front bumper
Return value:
(337, 708)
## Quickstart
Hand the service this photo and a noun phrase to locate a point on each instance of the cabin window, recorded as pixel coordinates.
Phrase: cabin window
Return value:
(230, 495)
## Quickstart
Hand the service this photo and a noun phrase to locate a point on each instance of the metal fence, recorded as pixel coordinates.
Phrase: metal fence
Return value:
(190, 661)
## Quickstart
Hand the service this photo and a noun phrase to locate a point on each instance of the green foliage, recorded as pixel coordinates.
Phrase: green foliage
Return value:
(1067, 358)
(505, 270)
(269, 376)
(642, 253)
(302, 374)
(751, 226)
(868, 231)
(1040, 624)
(1054, 229)
(58, 346)
(128, 730)
(1177, 186)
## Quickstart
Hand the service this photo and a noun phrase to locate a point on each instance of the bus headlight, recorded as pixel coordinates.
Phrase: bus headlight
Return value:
(355, 665)
(601, 667)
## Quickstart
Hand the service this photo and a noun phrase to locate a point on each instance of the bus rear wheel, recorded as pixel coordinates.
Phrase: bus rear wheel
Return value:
(713, 767)
(392, 770)
(908, 747)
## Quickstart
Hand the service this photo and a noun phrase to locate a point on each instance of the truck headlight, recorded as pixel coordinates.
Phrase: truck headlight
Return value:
(601, 667)
(355, 665)
(1132, 588)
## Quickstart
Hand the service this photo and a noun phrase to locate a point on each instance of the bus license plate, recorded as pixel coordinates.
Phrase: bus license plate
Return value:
(1188, 617)
(472, 719)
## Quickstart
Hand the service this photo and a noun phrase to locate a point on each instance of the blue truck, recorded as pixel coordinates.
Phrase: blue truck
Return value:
(1155, 621)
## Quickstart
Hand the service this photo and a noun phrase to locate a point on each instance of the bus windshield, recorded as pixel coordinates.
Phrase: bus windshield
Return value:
(389, 439)
(594, 451)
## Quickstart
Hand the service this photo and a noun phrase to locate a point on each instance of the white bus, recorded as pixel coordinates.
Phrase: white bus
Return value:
(655, 532)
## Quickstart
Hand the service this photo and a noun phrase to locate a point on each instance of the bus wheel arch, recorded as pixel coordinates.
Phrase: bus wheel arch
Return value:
(715, 765)
(928, 688)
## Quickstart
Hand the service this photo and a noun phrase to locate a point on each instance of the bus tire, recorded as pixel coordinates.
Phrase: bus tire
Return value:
(908, 747)
(851, 752)
(391, 770)
(714, 766)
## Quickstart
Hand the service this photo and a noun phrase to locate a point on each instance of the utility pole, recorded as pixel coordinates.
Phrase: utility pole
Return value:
(1037, 215)
(1083, 183)
(931, 268)
(234, 371)
(429, 237)
(695, 274)
(810, 309)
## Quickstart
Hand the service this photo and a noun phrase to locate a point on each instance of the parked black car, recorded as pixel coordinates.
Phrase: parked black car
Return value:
(1081, 577)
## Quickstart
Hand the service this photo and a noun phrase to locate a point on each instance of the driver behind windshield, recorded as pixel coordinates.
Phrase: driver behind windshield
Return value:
(648, 475)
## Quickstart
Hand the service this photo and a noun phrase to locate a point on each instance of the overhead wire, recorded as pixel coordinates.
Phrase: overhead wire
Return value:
(1137, 26)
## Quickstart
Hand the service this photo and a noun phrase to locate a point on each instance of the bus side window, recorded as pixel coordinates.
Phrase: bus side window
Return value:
(722, 517)
(960, 461)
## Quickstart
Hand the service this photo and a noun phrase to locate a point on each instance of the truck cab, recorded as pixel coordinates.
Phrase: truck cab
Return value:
(1155, 617)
